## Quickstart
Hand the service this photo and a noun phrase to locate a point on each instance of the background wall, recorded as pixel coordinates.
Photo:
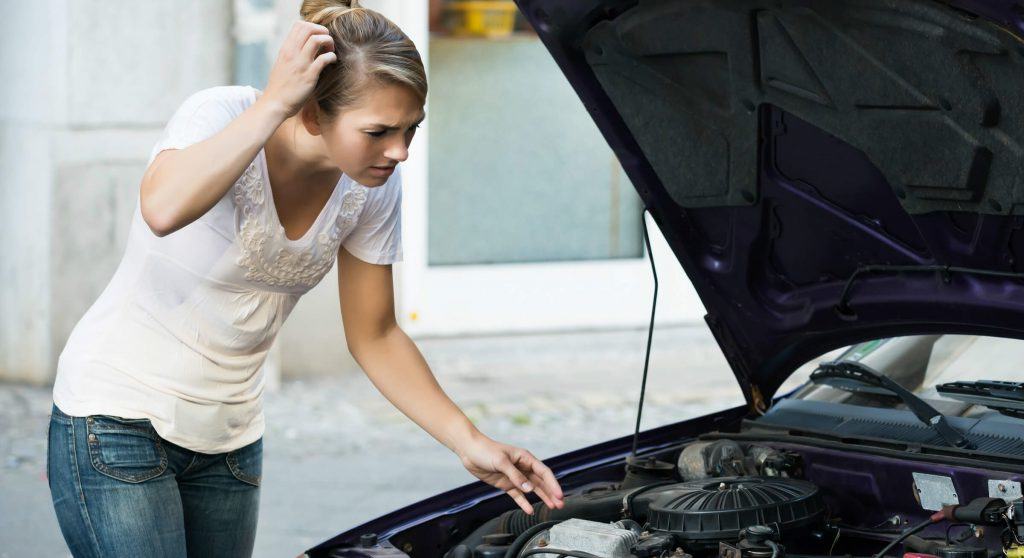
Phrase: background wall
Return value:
(88, 86)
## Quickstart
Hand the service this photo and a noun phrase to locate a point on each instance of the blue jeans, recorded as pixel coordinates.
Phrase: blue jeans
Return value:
(120, 490)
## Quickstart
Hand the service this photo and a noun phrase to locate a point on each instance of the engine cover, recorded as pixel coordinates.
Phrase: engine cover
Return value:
(711, 510)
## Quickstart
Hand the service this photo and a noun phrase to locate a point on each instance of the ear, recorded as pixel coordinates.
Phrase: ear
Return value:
(310, 116)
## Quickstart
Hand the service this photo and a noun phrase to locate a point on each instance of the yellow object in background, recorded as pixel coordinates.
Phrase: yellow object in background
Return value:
(494, 18)
(1015, 552)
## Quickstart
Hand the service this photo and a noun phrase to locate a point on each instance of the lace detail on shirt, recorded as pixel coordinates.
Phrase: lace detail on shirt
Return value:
(271, 263)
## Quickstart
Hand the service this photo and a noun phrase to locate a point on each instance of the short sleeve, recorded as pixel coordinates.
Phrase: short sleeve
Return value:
(377, 236)
(203, 114)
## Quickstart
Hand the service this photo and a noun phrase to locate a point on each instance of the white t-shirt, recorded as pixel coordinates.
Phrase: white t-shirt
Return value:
(180, 334)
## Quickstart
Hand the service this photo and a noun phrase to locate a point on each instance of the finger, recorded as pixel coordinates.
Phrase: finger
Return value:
(505, 485)
(515, 475)
(549, 481)
(539, 488)
(295, 39)
(544, 497)
(315, 44)
(520, 499)
(292, 33)
(501, 483)
(307, 29)
(323, 60)
(531, 464)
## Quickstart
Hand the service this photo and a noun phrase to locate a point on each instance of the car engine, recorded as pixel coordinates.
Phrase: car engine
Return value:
(696, 516)
(727, 499)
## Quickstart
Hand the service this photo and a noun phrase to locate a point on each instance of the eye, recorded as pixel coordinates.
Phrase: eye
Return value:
(376, 133)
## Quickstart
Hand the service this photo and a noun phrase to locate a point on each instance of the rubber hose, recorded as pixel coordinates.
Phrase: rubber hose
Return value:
(518, 544)
(606, 507)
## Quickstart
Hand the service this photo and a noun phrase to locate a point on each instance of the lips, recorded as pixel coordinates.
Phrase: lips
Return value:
(382, 171)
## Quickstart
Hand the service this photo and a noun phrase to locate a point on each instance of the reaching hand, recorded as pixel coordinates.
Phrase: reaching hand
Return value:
(512, 469)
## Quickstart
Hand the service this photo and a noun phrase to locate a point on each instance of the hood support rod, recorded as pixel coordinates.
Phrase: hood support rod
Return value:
(650, 329)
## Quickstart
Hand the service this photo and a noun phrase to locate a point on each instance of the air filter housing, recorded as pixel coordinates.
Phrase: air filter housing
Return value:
(711, 510)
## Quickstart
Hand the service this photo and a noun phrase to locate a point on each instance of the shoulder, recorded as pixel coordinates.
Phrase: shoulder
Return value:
(203, 114)
(223, 93)
(230, 100)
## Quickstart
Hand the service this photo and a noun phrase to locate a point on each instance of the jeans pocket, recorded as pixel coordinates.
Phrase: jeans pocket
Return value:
(246, 463)
(125, 449)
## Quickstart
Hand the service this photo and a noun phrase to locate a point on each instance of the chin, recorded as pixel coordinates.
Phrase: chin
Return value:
(371, 181)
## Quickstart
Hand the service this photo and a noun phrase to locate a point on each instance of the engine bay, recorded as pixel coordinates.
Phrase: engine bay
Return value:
(738, 499)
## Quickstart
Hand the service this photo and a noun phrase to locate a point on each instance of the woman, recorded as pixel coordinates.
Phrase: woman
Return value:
(155, 440)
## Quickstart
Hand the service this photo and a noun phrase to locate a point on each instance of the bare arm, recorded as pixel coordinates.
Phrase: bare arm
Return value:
(183, 184)
(389, 357)
(395, 366)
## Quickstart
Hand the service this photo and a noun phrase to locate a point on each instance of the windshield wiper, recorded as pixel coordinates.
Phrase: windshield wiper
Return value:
(1004, 397)
(838, 373)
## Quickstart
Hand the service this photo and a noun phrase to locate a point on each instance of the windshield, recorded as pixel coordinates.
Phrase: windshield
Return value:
(920, 364)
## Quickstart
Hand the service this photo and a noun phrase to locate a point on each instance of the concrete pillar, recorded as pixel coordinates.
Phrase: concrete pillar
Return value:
(88, 87)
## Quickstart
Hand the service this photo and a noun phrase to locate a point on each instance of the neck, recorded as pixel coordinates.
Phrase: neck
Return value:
(297, 153)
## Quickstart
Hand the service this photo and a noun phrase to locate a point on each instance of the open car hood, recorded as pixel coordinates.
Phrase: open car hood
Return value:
(825, 171)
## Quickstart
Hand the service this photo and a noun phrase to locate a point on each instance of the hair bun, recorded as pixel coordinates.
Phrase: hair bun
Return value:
(323, 12)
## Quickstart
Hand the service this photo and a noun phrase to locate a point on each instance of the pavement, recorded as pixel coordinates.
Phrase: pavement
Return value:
(336, 453)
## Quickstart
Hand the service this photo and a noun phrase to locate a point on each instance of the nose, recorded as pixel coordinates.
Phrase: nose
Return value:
(397, 150)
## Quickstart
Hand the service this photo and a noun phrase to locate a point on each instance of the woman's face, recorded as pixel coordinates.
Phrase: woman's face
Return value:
(368, 139)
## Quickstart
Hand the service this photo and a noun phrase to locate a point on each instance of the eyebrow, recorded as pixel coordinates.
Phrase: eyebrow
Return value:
(389, 128)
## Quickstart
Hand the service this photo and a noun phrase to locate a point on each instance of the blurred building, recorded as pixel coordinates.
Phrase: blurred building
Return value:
(516, 215)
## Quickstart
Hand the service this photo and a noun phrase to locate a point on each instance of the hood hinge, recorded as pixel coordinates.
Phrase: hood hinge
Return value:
(756, 401)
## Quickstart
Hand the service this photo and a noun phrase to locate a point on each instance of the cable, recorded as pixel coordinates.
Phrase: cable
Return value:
(860, 530)
(559, 552)
(962, 537)
(775, 548)
(627, 500)
(894, 520)
(935, 518)
(834, 541)
(1012, 531)
(650, 330)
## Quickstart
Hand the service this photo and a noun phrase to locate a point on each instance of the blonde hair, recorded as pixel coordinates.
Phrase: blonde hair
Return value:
(371, 49)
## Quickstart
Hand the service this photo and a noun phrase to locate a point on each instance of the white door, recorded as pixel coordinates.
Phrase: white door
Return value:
(517, 215)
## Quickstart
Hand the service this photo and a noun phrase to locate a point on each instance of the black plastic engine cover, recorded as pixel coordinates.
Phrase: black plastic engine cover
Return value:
(717, 509)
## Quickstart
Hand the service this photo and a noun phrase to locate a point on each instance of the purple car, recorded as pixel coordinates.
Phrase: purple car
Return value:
(843, 183)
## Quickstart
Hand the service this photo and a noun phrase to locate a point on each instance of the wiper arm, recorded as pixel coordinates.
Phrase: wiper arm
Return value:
(1004, 397)
(864, 374)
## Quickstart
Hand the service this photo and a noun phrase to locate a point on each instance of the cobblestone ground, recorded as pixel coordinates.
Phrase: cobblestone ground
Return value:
(337, 454)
